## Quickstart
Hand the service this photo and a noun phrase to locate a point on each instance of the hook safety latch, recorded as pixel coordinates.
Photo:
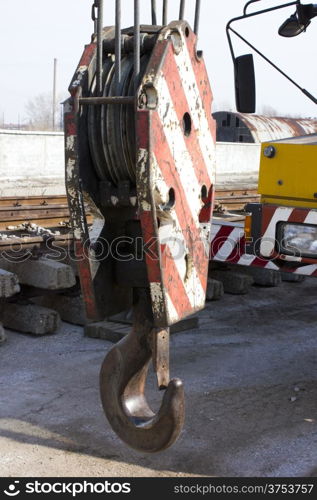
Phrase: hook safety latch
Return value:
(160, 356)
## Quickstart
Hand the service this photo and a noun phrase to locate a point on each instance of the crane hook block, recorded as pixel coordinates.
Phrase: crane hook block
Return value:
(140, 154)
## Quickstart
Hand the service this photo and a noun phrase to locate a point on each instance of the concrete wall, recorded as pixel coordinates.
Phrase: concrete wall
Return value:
(237, 165)
(32, 164)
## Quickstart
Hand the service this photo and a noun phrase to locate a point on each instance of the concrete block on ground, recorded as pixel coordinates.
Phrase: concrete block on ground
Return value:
(107, 330)
(9, 283)
(295, 278)
(73, 264)
(233, 282)
(3, 336)
(126, 318)
(261, 276)
(29, 318)
(185, 325)
(214, 289)
(41, 273)
(114, 331)
(67, 260)
(70, 309)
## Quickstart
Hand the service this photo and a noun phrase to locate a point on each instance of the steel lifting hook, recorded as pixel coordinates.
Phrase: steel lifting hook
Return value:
(122, 384)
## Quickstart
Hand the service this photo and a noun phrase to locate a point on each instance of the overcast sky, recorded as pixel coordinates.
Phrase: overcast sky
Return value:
(34, 32)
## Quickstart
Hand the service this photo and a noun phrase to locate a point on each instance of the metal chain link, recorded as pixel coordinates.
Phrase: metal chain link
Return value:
(95, 14)
(94, 7)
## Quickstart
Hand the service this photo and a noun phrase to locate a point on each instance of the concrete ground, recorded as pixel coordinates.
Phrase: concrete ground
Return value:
(250, 377)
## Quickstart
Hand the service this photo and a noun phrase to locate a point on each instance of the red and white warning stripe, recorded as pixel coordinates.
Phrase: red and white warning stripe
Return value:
(272, 215)
(228, 242)
(178, 142)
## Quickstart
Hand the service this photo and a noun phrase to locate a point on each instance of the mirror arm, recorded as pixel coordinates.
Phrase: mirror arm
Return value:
(247, 5)
(228, 29)
(257, 13)
(253, 1)
(307, 94)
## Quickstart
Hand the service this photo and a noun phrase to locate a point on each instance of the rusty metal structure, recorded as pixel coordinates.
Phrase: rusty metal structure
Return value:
(140, 149)
(246, 127)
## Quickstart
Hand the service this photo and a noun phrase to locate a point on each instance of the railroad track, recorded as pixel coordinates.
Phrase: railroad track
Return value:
(23, 221)
(228, 200)
(51, 212)
(46, 211)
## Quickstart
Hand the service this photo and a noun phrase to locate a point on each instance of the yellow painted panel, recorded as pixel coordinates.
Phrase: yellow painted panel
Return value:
(289, 202)
(290, 177)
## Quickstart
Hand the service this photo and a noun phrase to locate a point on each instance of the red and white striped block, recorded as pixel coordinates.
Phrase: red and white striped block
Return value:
(175, 174)
(271, 215)
(228, 242)
(228, 245)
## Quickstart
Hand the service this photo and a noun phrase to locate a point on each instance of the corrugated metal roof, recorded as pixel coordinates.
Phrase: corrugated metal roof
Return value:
(264, 128)
(245, 127)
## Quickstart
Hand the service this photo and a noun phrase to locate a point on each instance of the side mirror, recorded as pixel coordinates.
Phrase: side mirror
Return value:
(292, 27)
(244, 77)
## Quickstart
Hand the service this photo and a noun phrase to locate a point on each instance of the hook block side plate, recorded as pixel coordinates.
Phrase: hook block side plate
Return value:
(175, 173)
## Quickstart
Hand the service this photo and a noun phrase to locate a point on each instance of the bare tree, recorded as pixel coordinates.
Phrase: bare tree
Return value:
(39, 112)
(222, 106)
(268, 110)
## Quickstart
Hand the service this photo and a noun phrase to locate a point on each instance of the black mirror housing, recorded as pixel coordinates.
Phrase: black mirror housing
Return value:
(245, 83)
(299, 21)
(292, 27)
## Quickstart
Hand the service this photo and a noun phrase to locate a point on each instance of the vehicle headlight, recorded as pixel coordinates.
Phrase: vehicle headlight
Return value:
(297, 239)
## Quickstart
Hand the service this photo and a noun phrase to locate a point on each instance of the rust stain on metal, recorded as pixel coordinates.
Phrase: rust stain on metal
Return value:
(160, 356)
(266, 128)
(258, 128)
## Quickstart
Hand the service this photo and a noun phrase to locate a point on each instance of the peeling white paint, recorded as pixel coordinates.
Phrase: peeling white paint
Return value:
(70, 166)
(142, 179)
(79, 76)
(157, 296)
(114, 200)
(77, 233)
(70, 142)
